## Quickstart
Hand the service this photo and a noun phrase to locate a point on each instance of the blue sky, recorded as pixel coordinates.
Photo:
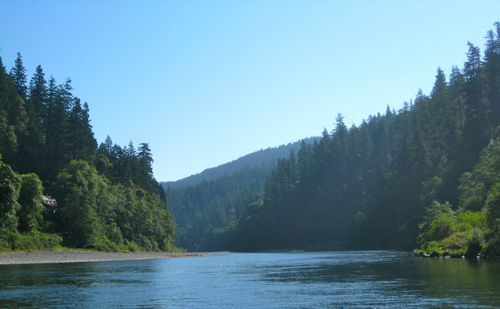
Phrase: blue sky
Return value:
(205, 82)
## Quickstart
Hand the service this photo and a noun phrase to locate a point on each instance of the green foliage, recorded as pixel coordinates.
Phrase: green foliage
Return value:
(128, 166)
(369, 184)
(439, 223)
(13, 117)
(434, 247)
(203, 210)
(480, 190)
(493, 211)
(9, 193)
(452, 232)
(31, 201)
(20, 205)
(474, 228)
(390, 169)
(107, 217)
(475, 185)
(29, 241)
(264, 159)
(207, 206)
(18, 75)
(77, 189)
(45, 132)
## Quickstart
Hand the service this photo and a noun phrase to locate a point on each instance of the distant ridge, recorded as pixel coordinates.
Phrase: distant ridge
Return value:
(206, 206)
(264, 158)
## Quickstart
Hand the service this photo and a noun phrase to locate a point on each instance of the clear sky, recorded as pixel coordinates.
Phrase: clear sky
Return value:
(205, 82)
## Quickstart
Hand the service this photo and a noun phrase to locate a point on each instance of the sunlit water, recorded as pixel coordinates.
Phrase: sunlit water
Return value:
(258, 280)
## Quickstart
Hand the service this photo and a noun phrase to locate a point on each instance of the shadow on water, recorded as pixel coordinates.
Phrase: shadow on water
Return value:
(45, 285)
(427, 282)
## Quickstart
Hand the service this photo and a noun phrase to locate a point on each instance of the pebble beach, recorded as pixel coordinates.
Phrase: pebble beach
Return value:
(48, 257)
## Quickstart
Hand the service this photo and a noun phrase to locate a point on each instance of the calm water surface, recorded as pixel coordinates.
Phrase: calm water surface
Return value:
(371, 279)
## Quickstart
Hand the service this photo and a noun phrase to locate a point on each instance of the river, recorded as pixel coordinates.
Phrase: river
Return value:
(357, 279)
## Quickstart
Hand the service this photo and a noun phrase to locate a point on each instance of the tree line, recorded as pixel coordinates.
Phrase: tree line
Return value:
(207, 206)
(413, 177)
(107, 197)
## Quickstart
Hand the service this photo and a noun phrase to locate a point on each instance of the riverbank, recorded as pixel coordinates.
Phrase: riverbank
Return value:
(50, 257)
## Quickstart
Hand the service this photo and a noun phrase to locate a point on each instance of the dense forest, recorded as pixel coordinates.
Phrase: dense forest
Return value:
(426, 175)
(428, 172)
(264, 159)
(206, 207)
(106, 197)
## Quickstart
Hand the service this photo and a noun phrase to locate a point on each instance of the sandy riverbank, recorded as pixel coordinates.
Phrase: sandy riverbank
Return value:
(47, 257)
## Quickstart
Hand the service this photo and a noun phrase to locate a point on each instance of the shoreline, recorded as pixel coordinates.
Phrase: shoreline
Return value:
(59, 257)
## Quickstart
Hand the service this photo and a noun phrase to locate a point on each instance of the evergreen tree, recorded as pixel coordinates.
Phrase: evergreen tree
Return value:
(55, 129)
(80, 142)
(12, 118)
(392, 166)
(33, 144)
(38, 93)
(18, 75)
(42, 129)
(145, 159)
(477, 107)
(492, 67)
(8, 138)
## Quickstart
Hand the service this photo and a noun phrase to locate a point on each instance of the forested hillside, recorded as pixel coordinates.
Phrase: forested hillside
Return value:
(371, 186)
(261, 159)
(207, 206)
(107, 197)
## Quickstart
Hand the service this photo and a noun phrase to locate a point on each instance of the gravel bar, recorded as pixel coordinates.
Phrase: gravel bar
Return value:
(48, 257)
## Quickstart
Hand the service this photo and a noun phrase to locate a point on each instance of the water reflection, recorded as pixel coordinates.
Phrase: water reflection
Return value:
(66, 284)
(412, 280)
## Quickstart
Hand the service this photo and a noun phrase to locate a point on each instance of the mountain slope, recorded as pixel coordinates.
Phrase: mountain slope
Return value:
(264, 158)
(207, 205)
(373, 185)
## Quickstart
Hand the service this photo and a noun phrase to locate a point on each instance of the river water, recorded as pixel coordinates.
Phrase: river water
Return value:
(358, 279)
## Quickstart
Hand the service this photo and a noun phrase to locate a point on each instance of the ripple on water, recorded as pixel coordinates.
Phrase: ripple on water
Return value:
(364, 279)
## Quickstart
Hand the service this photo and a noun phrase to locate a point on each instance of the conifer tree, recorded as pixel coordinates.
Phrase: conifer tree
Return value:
(13, 118)
(55, 129)
(145, 158)
(18, 74)
(477, 107)
(492, 67)
(32, 151)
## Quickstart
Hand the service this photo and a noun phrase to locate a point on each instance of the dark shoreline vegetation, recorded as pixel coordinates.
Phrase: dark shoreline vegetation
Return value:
(426, 176)
(107, 198)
